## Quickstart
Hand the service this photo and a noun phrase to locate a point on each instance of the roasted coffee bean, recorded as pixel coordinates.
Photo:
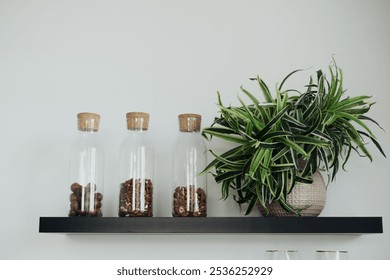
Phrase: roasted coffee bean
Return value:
(131, 204)
(99, 196)
(75, 187)
(98, 204)
(189, 202)
(74, 206)
(72, 213)
(74, 197)
(79, 209)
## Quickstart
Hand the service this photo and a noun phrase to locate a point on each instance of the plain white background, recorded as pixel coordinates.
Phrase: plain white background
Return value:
(58, 58)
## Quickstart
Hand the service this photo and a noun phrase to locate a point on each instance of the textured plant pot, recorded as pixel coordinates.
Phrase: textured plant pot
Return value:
(310, 197)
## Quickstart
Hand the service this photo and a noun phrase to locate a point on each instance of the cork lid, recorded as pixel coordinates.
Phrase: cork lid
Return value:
(137, 121)
(88, 121)
(189, 122)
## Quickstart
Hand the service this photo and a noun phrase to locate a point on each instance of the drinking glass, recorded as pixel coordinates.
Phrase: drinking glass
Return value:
(331, 255)
(282, 254)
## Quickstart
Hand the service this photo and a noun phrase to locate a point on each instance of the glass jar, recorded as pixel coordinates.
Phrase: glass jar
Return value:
(189, 159)
(331, 255)
(136, 168)
(86, 168)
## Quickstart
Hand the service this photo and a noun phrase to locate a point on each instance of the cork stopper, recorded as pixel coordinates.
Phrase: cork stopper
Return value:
(189, 122)
(88, 121)
(137, 121)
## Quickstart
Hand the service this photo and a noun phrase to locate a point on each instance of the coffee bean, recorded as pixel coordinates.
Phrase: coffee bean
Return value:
(74, 206)
(99, 196)
(131, 204)
(75, 187)
(76, 197)
(72, 213)
(189, 202)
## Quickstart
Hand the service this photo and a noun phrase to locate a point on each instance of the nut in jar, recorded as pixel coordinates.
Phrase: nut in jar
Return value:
(85, 201)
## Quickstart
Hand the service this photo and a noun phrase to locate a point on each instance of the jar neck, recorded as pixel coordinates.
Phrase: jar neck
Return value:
(87, 133)
(141, 135)
(137, 131)
(189, 133)
(189, 139)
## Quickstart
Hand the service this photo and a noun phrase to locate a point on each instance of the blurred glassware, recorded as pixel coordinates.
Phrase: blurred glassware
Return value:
(282, 255)
(331, 255)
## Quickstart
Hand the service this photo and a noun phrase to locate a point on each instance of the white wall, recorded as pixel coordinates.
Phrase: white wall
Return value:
(58, 58)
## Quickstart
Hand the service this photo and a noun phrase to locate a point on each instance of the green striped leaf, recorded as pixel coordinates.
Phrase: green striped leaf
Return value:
(230, 138)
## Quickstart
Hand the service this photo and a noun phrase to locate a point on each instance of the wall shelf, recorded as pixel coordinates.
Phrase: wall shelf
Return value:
(326, 225)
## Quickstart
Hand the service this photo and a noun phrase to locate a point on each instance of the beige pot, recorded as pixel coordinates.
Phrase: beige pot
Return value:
(310, 197)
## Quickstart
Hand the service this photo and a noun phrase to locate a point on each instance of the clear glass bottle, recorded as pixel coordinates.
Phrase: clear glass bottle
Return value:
(189, 159)
(86, 168)
(136, 168)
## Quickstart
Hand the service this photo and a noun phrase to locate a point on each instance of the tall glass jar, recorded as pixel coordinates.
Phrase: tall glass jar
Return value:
(136, 168)
(189, 159)
(86, 168)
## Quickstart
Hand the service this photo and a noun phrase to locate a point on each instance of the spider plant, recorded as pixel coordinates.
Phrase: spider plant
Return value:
(342, 120)
(272, 136)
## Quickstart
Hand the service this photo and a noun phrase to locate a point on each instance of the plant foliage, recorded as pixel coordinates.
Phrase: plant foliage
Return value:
(320, 127)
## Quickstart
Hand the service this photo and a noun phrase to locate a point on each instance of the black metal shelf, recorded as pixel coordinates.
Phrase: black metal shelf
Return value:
(327, 225)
